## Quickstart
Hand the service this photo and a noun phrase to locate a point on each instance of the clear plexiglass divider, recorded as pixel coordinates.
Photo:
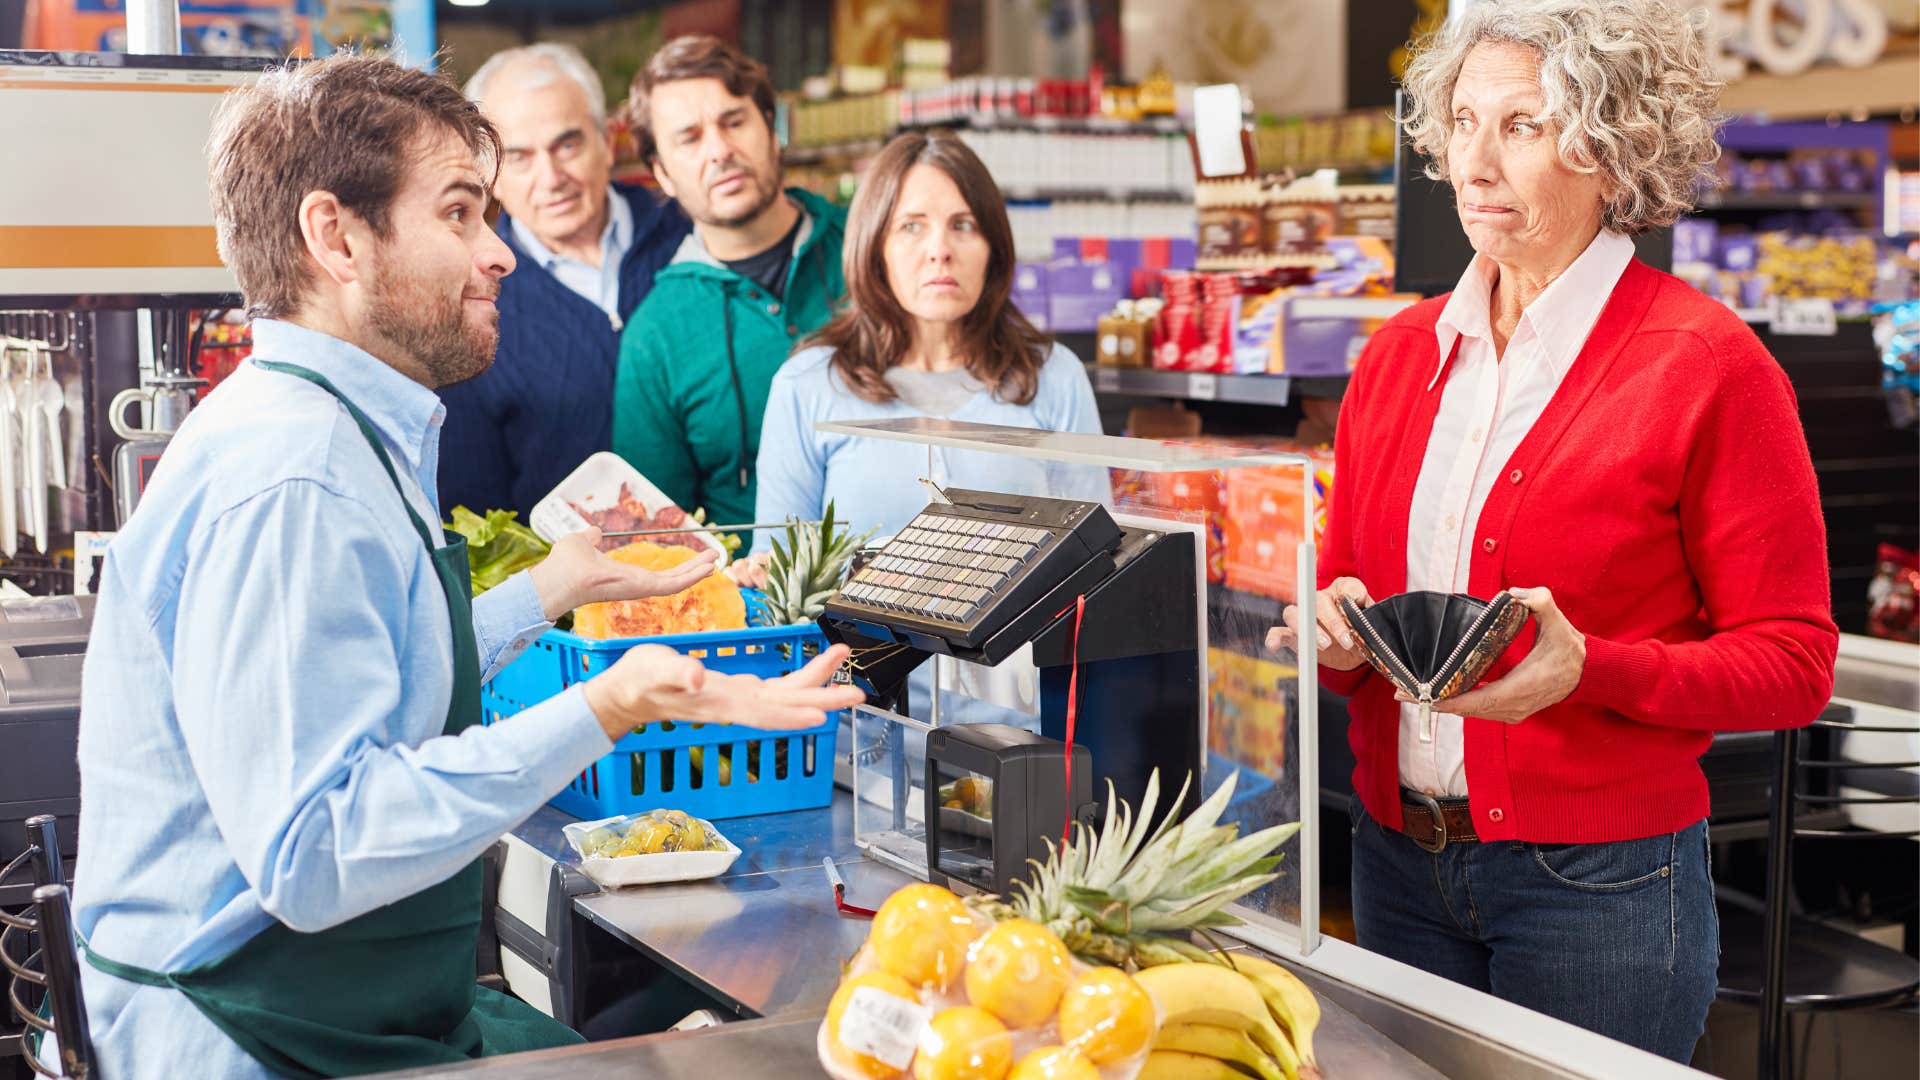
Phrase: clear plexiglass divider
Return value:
(1254, 512)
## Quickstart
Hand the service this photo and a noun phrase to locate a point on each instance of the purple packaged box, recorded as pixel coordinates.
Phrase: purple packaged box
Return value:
(1079, 293)
(1030, 294)
(1739, 252)
(1319, 346)
(1694, 240)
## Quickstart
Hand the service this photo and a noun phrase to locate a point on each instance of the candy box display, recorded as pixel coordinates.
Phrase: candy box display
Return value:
(651, 848)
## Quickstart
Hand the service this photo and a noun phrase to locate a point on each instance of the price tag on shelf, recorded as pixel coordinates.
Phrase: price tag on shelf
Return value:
(1807, 318)
(1203, 386)
(1106, 380)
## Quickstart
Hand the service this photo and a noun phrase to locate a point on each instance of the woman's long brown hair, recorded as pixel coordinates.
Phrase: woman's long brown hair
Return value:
(1000, 347)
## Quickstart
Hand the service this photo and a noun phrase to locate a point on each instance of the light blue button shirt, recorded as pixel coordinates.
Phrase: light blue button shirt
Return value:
(264, 694)
(598, 284)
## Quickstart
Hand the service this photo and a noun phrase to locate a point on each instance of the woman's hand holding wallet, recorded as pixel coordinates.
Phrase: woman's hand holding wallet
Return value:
(1339, 649)
(1546, 677)
(1550, 672)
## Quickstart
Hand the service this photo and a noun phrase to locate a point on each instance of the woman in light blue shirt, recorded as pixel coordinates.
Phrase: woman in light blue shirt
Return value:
(929, 330)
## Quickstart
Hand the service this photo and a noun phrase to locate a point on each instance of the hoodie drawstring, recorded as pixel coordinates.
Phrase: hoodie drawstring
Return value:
(739, 395)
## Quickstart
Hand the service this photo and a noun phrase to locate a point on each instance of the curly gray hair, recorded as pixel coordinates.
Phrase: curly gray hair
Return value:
(1630, 88)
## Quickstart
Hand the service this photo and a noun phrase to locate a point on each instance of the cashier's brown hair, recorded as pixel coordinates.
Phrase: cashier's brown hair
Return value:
(349, 124)
(1002, 349)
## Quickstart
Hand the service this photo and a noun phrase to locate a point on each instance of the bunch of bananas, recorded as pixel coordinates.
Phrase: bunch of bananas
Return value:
(1241, 1016)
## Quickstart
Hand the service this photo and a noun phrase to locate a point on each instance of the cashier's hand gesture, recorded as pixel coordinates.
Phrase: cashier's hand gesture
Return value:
(577, 572)
(653, 683)
(1338, 648)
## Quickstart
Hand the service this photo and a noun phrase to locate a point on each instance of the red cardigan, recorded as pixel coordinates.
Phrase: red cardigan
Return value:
(1667, 498)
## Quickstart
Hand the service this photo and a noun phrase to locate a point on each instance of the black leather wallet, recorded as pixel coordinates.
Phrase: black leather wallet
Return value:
(1435, 645)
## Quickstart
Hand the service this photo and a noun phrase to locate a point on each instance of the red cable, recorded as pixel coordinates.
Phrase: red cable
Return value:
(1073, 714)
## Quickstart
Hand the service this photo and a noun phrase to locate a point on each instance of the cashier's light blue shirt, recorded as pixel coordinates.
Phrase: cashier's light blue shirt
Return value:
(264, 694)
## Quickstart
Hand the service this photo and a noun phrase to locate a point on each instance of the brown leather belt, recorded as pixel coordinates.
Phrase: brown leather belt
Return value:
(1434, 823)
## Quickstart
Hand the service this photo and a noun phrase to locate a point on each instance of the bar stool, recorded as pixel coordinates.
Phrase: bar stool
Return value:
(1830, 970)
(52, 969)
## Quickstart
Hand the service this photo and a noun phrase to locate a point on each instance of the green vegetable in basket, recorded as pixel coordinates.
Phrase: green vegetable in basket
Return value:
(498, 546)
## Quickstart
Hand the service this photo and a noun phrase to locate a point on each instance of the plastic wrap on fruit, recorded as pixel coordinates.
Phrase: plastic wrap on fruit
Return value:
(655, 832)
(1034, 987)
(603, 842)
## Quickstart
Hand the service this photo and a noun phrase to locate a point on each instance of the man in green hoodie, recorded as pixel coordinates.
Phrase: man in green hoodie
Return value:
(760, 271)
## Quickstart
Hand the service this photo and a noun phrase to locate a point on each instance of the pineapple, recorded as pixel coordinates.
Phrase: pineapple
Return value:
(1128, 896)
(805, 569)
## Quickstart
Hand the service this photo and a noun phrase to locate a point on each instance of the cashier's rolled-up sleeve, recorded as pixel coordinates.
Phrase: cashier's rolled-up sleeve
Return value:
(321, 761)
(506, 619)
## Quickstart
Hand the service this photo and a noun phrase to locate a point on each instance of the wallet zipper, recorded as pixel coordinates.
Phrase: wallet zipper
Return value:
(1380, 649)
(1493, 608)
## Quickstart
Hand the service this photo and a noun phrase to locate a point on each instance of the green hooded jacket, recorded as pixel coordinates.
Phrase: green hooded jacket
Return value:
(699, 354)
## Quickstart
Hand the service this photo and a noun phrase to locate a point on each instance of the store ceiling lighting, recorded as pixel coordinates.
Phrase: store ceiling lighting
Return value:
(468, 3)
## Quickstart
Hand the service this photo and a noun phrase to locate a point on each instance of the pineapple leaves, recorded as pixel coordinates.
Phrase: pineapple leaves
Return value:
(1132, 890)
(806, 567)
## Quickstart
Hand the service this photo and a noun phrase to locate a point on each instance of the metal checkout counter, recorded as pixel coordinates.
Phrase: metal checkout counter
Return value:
(766, 941)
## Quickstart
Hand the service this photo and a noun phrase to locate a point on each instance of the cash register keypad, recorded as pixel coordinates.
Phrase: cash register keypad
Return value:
(946, 568)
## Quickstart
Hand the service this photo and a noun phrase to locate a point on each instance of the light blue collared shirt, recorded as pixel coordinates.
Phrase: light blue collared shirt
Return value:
(598, 284)
(265, 690)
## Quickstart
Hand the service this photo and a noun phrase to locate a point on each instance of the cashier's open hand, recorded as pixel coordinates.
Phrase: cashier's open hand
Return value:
(1548, 674)
(577, 572)
(652, 683)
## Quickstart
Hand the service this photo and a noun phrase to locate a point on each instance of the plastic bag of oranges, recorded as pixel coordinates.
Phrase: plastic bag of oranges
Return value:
(938, 993)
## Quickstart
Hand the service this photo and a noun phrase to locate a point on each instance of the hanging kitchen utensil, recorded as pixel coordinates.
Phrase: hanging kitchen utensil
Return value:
(53, 401)
(9, 457)
(33, 440)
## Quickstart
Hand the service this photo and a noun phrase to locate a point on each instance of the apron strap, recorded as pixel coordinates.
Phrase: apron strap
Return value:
(119, 970)
(366, 430)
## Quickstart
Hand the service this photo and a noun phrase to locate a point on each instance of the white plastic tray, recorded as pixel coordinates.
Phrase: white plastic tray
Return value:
(595, 485)
(648, 869)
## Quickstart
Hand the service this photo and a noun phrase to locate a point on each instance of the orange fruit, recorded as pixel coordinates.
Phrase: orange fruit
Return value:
(964, 1043)
(921, 934)
(1017, 972)
(1106, 1016)
(1054, 1063)
(837, 1011)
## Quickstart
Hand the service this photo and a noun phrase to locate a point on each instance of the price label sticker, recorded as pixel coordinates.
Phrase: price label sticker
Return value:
(1106, 379)
(1203, 386)
(1806, 318)
(882, 1026)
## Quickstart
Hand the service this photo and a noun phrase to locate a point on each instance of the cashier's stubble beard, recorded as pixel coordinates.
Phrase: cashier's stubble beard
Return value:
(432, 327)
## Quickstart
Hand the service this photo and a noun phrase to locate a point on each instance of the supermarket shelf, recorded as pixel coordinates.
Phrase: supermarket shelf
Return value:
(1788, 200)
(831, 152)
(1098, 125)
(1253, 606)
(1200, 386)
(1095, 194)
(1347, 307)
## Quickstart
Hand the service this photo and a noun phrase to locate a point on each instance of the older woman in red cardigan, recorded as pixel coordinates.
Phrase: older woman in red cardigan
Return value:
(1622, 455)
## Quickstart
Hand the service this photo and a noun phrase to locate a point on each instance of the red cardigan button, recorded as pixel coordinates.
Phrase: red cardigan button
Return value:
(1514, 476)
(1489, 544)
(1496, 815)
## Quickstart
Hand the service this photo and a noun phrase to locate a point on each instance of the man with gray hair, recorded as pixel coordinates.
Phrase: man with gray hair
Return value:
(587, 250)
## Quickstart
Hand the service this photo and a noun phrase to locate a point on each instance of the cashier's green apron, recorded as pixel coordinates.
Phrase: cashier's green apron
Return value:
(394, 988)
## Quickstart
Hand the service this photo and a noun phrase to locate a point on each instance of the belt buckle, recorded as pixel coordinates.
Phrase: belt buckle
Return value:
(1439, 823)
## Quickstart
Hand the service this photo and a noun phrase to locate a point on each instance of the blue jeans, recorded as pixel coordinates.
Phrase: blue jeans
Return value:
(1619, 938)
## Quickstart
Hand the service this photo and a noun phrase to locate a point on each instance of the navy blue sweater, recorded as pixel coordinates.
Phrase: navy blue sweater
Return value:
(517, 430)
